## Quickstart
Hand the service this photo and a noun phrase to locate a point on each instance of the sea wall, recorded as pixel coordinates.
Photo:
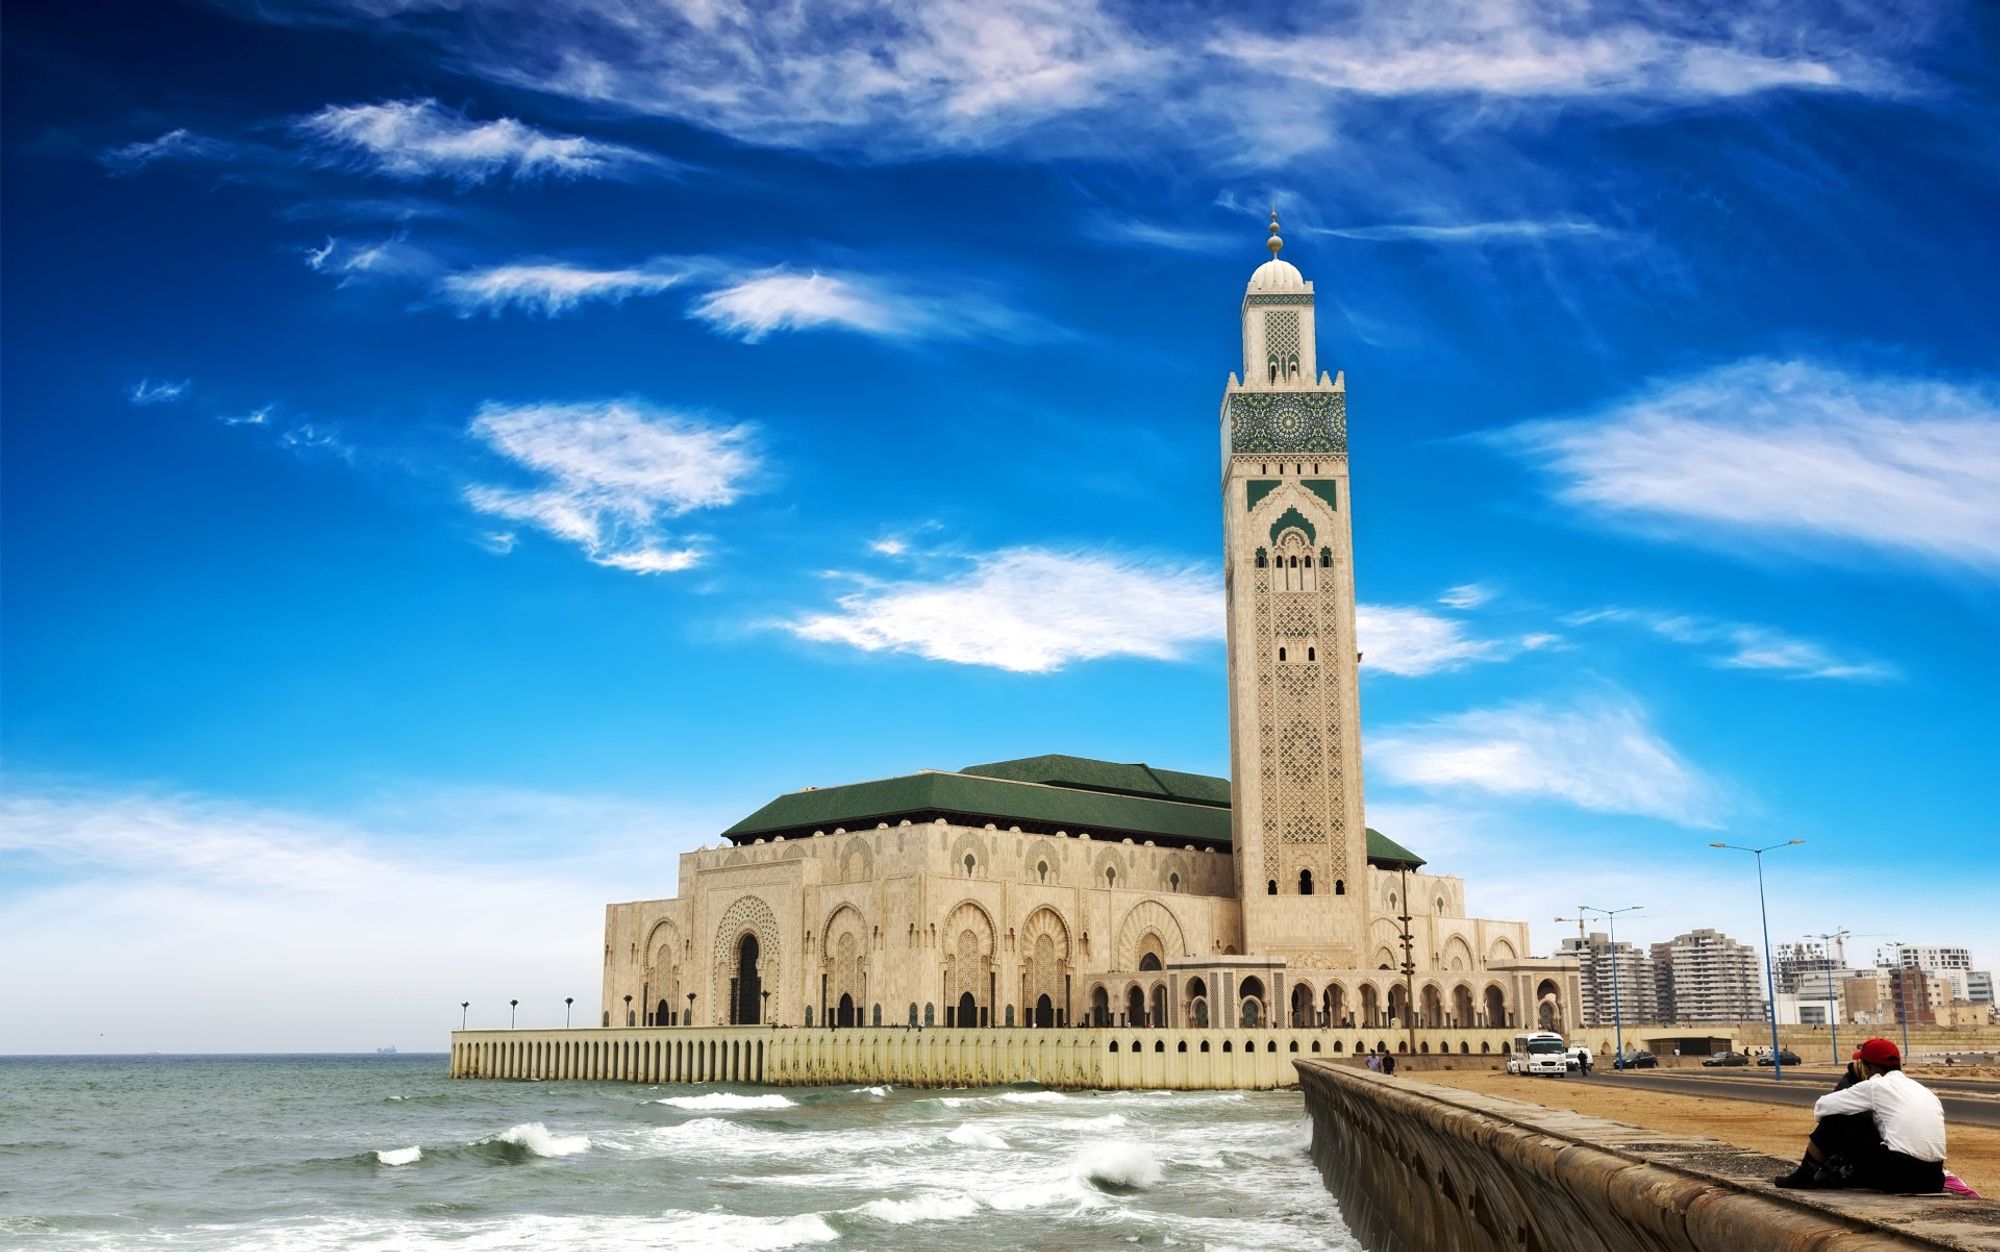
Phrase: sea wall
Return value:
(1105, 1059)
(1418, 1168)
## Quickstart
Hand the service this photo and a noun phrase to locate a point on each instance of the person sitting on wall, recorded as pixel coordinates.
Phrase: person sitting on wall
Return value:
(1880, 1130)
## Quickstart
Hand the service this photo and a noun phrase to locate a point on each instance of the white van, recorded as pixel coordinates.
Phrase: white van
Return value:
(1539, 1052)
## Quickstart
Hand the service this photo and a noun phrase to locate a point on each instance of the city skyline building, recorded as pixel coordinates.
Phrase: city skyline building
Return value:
(1706, 976)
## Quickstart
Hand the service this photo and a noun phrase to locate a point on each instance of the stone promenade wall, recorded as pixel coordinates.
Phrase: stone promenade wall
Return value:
(1419, 1168)
(1106, 1059)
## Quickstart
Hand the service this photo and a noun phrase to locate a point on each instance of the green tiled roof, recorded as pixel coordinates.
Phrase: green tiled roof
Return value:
(1040, 794)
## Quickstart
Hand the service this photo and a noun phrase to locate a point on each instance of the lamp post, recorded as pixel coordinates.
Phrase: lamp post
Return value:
(463, 1006)
(1617, 1012)
(567, 1001)
(511, 1006)
(1832, 1013)
(767, 1008)
(628, 1010)
(1770, 983)
(689, 1019)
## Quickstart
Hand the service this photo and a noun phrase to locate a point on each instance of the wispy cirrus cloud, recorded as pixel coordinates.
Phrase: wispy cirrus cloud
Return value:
(417, 139)
(1791, 454)
(1466, 596)
(1598, 752)
(755, 305)
(1467, 232)
(166, 391)
(1409, 642)
(613, 474)
(350, 262)
(552, 288)
(179, 144)
(959, 75)
(1743, 645)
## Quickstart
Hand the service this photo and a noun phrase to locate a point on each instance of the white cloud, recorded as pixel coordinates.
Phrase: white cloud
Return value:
(146, 391)
(1035, 610)
(614, 472)
(1155, 235)
(551, 288)
(179, 144)
(891, 546)
(394, 259)
(255, 417)
(1465, 232)
(1743, 645)
(423, 139)
(1788, 452)
(353, 933)
(957, 75)
(1409, 642)
(1031, 610)
(1466, 596)
(1598, 753)
(780, 300)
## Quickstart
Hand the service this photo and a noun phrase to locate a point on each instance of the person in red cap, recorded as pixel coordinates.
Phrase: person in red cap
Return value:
(1881, 1130)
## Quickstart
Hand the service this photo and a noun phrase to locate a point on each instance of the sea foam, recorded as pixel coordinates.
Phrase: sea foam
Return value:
(1117, 1167)
(399, 1156)
(723, 1101)
(971, 1136)
(1034, 1097)
(928, 1208)
(536, 1138)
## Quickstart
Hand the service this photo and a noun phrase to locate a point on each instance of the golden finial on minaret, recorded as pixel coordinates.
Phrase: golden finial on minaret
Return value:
(1274, 243)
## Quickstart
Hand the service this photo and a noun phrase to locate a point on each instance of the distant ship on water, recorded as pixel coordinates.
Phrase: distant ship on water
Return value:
(388, 1051)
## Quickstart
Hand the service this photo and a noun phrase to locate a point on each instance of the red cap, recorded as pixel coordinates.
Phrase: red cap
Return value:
(1878, 1052)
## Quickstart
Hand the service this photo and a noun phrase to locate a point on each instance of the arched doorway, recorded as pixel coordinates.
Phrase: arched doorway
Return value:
(746, 1011)
(1433, 1016)
(1302, 1006)
(1150, 961)
(968, 1011)
(1100, 1007)
(1158, 1005)
(1371, 1006)
(1548, 1004)
(1135, 1007)
(1045, 1012)
(1333, 1006)
(1461, 1006)
(1250, 1009)
(843, 1013)
(1496, 1007)
(664, 1017)
(1399, 1004)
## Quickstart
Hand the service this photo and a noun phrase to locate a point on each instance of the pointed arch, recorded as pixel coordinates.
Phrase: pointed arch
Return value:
(1149, 917)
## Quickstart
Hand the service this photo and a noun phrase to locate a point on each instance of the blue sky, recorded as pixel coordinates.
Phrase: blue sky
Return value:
(459, 456)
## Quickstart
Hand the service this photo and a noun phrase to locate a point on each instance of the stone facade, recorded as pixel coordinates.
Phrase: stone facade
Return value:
(889, 927)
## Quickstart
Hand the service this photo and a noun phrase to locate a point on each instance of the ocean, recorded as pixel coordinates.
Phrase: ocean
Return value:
(311, 1153)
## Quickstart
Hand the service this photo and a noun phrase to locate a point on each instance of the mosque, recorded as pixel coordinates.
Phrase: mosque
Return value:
(1060, 892)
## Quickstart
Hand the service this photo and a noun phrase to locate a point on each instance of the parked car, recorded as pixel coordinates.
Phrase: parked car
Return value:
(1786, 1055)
(1727, 1058)
(1637, 1060)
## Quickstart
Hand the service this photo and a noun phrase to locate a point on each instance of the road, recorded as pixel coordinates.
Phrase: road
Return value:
(1961, 1107)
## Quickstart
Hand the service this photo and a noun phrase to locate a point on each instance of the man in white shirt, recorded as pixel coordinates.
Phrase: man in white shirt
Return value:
(1880, 1130)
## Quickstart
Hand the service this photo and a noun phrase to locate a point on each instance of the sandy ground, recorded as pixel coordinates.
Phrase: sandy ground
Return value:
(1971, 1152)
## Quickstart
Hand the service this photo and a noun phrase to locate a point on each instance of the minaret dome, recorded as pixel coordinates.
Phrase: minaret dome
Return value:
(1275, 274)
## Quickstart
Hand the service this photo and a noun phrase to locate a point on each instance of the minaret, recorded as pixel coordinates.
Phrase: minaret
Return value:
(1295, 717)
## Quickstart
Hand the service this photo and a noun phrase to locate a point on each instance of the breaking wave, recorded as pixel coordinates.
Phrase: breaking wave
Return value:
(723, 1101)
(1034, 1097)
(535, 1139)
(971, 1136)
(1120, 1168)
(399, 1156)
(932, 1208)
(877, 1092)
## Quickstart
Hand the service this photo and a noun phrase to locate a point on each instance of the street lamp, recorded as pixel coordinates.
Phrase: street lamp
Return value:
(1617, 1013)
(1409, 967)
(1827, 939)
(767, 1008)
(463, 1005)
(689, 1019)
(511, 1006)
(1770, 982)
(628, 1010)
(567, 1001)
